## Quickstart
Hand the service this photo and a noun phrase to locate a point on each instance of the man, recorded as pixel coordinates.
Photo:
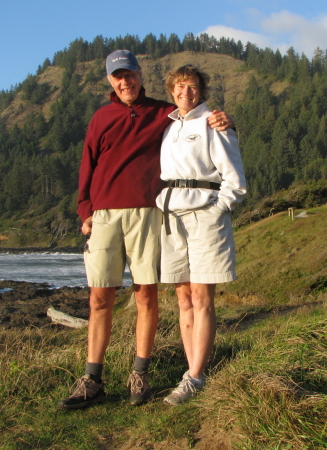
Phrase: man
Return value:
(118, 185)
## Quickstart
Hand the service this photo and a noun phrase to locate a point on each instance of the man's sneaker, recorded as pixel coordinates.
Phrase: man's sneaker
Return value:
(185, 390)
(87, 392)
(140, 389)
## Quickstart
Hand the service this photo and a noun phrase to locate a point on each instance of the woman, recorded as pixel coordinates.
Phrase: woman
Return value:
(205, 179)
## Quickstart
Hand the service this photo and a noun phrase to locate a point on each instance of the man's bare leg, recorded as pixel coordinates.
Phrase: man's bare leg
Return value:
(101, 303)
(146, 297)
(89, 388)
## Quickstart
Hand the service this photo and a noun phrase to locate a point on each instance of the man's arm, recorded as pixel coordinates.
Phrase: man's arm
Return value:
(88, 162)
(221, 120)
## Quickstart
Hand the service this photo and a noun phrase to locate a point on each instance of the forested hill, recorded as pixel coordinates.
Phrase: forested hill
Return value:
(279, 104)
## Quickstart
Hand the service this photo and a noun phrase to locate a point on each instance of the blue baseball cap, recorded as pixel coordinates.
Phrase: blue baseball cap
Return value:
(121, 59)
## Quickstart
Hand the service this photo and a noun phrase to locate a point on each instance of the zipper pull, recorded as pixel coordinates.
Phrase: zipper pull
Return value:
(132, 114)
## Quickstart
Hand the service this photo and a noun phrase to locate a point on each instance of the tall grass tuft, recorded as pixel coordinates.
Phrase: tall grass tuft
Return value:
(273, 395)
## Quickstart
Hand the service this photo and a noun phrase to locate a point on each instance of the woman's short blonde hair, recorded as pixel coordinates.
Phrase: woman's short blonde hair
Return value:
(185, 73)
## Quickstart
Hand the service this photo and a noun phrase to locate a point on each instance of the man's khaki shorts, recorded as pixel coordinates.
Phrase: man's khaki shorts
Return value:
(200, 248)
(118, 236)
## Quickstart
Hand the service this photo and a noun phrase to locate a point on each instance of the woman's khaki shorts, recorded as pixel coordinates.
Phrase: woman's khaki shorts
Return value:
(119, 236)
(200, 249)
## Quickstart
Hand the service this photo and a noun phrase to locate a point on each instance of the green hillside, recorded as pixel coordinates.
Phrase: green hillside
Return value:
(279, 104)
(267, 386)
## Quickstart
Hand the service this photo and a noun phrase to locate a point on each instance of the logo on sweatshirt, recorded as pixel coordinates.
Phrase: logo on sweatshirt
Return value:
(193, 137)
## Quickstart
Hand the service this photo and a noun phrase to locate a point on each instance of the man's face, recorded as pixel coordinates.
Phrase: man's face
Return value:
(127, 84)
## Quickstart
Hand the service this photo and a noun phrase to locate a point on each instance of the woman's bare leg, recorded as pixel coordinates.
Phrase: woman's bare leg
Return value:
(186, 318)
(204, 326)
(197, 323)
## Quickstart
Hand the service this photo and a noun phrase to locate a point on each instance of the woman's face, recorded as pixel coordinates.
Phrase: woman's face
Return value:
(186, 95)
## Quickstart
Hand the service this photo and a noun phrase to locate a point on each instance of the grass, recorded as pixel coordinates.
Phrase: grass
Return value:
(275, 392)
(267, 389)
(267, 386)
(280, 260)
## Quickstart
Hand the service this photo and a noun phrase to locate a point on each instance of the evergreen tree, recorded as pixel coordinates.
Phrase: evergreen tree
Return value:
(189, 43)
(174, 44)
(149, 44)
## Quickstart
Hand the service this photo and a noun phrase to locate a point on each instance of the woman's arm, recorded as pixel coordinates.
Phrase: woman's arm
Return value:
(226, 157)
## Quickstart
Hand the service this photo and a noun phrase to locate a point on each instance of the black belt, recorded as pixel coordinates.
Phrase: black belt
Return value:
(202, 184)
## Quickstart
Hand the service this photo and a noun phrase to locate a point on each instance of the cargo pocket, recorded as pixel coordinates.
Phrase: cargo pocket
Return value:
(101, 236)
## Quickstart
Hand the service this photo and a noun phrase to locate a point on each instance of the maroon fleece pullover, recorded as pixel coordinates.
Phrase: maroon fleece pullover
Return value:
(120, 166)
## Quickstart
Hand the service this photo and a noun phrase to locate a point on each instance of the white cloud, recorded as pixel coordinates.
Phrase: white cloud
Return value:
(303, 34)
(219, 31)
(280, 30)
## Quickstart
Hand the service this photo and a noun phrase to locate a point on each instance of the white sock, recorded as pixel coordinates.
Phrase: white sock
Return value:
(198, 381)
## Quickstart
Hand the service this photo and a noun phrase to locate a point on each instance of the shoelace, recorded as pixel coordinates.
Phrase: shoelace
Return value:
(185, 386)
(80, 388)
(136, 382)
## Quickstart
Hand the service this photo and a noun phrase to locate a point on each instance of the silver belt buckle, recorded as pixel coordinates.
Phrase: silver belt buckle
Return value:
(182, 183)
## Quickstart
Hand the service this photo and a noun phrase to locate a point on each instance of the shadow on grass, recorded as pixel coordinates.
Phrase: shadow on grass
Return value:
(254, 317)
(169, 364)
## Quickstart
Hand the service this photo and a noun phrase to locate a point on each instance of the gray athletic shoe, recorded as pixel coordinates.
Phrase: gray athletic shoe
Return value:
(140, 389)
(87, 392)
(185, 391)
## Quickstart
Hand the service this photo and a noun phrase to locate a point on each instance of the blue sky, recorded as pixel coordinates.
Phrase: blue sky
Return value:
(32, 30)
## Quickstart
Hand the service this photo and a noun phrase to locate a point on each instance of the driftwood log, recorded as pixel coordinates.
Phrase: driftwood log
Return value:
(65, 319)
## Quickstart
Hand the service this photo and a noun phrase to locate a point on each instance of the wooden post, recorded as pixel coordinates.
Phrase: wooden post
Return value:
(291, 212)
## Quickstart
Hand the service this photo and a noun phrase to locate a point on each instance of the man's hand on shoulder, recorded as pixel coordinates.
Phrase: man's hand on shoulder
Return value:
(221, 120)
(87, 226)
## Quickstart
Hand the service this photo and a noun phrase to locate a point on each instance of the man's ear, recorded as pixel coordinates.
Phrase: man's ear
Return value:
(108, 76)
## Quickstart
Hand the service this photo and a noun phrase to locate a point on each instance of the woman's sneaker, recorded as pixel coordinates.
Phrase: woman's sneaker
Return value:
(185, 390)
(87, 392)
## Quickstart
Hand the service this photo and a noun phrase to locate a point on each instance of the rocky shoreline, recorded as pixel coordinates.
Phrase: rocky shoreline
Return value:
(24, 304)
(21, 250)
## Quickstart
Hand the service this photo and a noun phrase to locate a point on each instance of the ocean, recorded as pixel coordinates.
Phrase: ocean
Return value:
(56, 269)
